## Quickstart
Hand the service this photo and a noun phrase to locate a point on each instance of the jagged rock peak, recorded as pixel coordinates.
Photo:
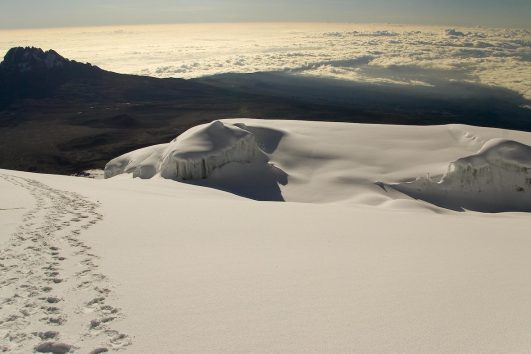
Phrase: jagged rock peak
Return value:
(31, 58)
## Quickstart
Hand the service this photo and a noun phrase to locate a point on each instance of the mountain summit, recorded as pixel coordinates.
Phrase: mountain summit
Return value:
(34, 73)
(32, 59)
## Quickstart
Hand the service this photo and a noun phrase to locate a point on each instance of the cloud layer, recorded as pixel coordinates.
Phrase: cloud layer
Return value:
(380, 54)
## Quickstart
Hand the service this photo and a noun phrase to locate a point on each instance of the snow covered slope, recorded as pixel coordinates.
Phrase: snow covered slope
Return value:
(160, 266)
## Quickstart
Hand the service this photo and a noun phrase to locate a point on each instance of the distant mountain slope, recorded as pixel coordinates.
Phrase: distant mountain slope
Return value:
(31, 73)
(58, 115)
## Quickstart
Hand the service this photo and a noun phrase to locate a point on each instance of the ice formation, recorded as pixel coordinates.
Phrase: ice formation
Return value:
(193, 155)
(502, 165)
(497, 178)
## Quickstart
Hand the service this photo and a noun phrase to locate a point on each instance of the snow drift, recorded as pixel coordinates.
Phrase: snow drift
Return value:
(497, 178)
(193, 155)
(130, 162)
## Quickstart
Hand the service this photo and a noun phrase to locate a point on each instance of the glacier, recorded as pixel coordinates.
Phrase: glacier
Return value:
(487, 174)
(496, 179)
(193, 155)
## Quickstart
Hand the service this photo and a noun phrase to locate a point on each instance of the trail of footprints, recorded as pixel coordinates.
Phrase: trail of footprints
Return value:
(49, 279)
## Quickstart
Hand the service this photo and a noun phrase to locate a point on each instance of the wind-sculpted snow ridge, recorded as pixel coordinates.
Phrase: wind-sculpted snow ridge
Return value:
(130, 162)
(496, 179)
(193, 155)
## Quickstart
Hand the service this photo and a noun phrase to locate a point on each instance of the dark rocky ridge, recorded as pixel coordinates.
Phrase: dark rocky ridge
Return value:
(62, 116)
(33, 59)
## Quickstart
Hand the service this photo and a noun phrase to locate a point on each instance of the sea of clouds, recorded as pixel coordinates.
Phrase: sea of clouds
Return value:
(369, 53)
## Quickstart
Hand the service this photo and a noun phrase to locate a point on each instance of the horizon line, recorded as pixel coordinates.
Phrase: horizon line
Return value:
(264, 22)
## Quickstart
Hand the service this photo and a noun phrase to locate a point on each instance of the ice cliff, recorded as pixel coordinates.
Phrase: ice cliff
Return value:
(193, 155)
(497, 178)
(501, 165)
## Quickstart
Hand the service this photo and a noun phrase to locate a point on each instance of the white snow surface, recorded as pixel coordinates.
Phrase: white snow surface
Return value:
(496, 178)
(347, 264)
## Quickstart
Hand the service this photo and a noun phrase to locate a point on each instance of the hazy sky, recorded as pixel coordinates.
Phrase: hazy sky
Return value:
(58, 13)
